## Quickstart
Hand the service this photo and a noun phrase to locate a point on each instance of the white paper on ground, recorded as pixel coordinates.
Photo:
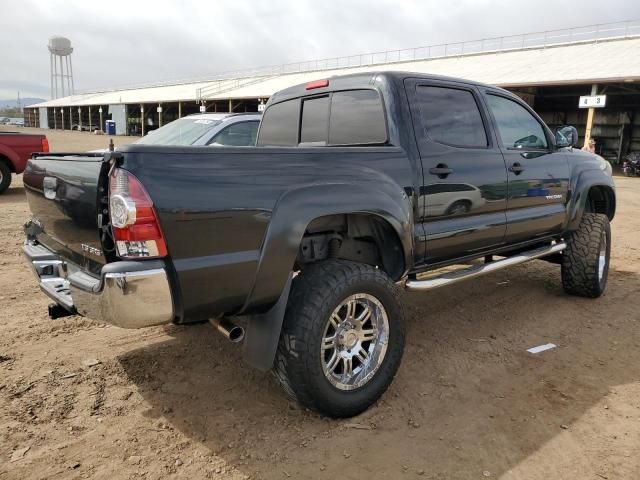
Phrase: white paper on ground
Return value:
(541, 348)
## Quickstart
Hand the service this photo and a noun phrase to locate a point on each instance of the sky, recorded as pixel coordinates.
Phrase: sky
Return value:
(123, 43)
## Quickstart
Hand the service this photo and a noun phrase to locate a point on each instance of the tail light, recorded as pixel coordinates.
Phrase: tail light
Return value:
(45, 145)
(134, 222)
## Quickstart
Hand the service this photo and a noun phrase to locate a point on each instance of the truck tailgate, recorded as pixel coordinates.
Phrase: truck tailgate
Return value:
(64, 192)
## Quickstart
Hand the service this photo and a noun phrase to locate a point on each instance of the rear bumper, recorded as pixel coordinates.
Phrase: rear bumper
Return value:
(127, 295)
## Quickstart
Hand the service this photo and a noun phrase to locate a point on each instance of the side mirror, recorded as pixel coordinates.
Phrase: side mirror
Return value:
(566, 136)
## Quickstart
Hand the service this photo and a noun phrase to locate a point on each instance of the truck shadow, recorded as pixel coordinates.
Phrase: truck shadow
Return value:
(468, 400)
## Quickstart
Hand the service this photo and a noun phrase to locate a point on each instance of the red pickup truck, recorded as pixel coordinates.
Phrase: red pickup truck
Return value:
(15, 150)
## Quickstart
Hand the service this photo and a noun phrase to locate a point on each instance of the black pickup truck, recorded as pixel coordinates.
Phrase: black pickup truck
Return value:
(359, 186)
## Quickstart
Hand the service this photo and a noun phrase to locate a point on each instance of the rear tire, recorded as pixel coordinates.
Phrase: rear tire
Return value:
(585, 261)
(5, 177)
(342, 339)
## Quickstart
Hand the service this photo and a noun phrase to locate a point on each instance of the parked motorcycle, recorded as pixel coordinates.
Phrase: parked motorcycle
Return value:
(631, 165)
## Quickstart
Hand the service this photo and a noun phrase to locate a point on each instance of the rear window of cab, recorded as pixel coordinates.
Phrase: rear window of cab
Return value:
(349, 117)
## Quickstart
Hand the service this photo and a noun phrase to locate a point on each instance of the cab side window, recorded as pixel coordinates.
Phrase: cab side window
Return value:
(280, 125)
(345, 117)
(315, 121)
(516, 126)
(357, 118)
(239, 134)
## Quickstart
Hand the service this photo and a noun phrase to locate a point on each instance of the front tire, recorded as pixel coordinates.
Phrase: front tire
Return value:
(342, 339)
(585, 261)
(5, 177)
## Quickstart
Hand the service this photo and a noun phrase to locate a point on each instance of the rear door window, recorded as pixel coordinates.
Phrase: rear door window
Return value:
(451, 116)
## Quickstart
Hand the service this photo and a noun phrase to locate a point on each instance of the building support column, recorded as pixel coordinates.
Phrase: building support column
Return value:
(142, 122)
(90, 129)
(590, 114)
(125, 110)
(159, 115)
(230, 105)
(62, 121)
(70, 119)
(179, 109)
(101, 119)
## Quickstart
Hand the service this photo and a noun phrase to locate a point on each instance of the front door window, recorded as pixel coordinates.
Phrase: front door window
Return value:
(516, 126)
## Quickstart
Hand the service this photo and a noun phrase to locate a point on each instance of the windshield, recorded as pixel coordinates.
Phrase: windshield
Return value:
(185, 131)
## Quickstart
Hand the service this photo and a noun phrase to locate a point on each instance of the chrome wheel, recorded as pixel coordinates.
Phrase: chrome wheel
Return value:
(602, 256)
(355, 341)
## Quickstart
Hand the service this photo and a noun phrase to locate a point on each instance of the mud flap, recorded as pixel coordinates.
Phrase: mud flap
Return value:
(263, 332)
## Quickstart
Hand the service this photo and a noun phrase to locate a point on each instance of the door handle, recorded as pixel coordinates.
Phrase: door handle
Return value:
(516, 168)
(441, 170)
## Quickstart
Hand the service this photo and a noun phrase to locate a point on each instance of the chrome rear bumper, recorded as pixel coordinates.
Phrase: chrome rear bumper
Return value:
(127, 295)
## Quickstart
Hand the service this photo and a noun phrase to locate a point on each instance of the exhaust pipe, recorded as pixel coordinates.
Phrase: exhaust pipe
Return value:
(231, 331)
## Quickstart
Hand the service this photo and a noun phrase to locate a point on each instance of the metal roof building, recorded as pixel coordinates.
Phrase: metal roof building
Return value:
(548, 69)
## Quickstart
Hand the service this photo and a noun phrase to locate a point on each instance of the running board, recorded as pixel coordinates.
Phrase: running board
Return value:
(477, 270)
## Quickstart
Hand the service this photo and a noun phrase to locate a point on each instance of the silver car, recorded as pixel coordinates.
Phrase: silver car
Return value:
(217, 129)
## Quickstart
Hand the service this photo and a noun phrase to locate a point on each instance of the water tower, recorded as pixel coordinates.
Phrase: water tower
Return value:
(60, 50)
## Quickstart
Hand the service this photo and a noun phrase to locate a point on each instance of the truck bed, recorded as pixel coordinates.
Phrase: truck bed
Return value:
(213, 209)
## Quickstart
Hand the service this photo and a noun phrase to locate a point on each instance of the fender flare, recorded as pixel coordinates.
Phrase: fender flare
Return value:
(580, 189)
(298, 207)
(294, 211)
(11, 156)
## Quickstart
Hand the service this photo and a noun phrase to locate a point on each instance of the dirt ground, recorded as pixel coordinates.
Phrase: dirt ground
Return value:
(83, 400)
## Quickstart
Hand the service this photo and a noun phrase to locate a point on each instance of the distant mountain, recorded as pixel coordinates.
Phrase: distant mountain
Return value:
(23, 101)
